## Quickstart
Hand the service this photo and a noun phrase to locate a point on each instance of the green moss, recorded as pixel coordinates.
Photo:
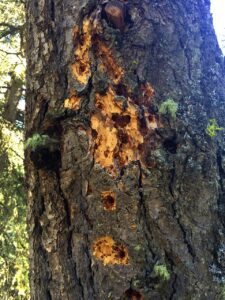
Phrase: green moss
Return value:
(213, 127)
(38, 140)
(169, 107)
(162, 272)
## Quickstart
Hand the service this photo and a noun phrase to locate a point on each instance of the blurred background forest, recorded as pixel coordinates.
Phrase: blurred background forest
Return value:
(13, 236)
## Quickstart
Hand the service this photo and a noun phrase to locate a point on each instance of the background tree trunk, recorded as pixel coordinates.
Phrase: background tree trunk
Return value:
(130, 203)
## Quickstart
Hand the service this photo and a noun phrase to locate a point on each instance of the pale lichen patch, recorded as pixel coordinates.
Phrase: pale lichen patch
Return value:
(110, 252)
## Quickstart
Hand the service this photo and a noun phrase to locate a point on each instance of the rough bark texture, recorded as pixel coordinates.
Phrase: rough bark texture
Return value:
(130, 203)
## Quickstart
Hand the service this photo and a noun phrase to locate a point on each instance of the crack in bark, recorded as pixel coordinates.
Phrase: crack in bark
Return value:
(173, 285)
(143, 213)
(189, 247)
(176, 216)
(69, 234)
(45, 276)
(91, 279)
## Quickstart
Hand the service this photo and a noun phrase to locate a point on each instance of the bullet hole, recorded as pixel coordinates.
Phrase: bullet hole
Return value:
(110, 252)
(131, 294)
(121, 121)
(108, 200)
(170, 145)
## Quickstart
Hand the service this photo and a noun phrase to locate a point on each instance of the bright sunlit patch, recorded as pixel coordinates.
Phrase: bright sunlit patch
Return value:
(218, 12)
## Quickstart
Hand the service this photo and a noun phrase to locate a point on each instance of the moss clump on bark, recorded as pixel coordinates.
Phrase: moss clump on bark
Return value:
(162, 272)
(169, 107)
(213, 127)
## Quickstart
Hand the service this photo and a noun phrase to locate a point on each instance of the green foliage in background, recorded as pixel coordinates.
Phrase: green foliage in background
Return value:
(212, 128)
(13, 235)
(12, 66)
(169, 107)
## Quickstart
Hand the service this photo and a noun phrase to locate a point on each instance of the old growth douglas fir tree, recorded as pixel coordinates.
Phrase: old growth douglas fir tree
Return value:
(126, 183)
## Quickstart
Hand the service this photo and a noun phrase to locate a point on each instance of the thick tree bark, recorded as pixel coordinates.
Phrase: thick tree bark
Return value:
(130, 203)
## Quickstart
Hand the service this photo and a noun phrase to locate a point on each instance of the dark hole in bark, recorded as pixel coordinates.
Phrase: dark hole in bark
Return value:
(121, 90)
(108, 202)
(170, 145)
(121, 121)
(122, 172)
(143, 125)
(48, 295)
(43, 158)
(81, 39)
(94, 133)
(120, 252)
(133, 295)
(150, 118)
(140, 147)
(128, 19)
(99, 105)
(106, 153)
(152, 109)
(52, 10)
(82, 68)
(123, 137)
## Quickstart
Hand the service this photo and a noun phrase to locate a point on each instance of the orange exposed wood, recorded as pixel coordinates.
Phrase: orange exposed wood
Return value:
(109, 252)
(81, 69)
(72, 103)
(118, 138)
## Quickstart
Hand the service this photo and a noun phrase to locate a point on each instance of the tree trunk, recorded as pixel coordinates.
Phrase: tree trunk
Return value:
(126, 194)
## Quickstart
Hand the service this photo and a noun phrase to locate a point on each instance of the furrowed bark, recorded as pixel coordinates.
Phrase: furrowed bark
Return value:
(130, 204)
